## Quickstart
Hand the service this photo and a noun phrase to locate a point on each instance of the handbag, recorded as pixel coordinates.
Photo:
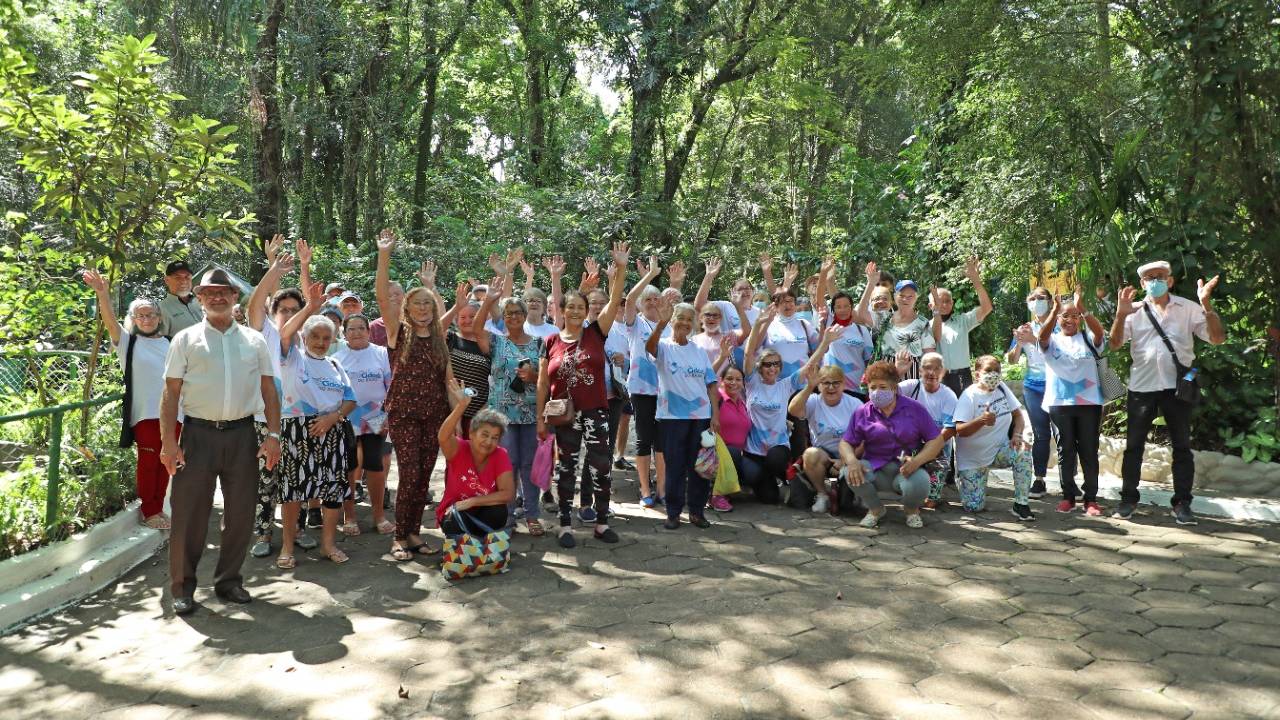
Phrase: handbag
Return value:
(1187, 387)
(544, 462)
(558, 412)
(126, 408)
(707, 463)
(1112, 387)
(487, 552)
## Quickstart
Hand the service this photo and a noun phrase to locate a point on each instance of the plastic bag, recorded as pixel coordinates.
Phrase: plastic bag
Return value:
(707, 463)
(544, 462)
(726, 474)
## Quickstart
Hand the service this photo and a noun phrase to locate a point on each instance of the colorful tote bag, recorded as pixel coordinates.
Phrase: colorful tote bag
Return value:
(487, 552)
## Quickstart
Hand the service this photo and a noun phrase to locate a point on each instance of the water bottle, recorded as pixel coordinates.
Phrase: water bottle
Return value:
(1191, 375)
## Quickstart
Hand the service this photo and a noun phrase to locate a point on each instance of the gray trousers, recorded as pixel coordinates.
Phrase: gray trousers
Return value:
(212, 455)
(913, 488)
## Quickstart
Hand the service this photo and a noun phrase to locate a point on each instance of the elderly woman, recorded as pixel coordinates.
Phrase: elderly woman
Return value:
(369, 368)
(536, 324)
(1026, 345)
(988, 423)
(318, 397)
(640, 316)
(513, 377)
(142, 350)
(467, 356)
(713, 334)
(885, 447)
(416, 404)
(790, 335)
(688, 404)
(940, 401)
(478, 481)
(1073, 394)
(768, 449)
(572, 370)
(853, 350)
(828, 414)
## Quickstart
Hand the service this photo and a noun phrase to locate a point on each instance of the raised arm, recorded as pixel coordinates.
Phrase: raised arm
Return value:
(256, 312)
(94, 279)
(829, 336)
(427, 276)
(665, 312)
(798, 405)
(756, 338)
(621, 254)
(766, 270)
(713, 267)
(1021, 334)
(935, 324)
(303, 250)
(382, 286)
(861, 314)
(973, 272)
(1213, 323)
(676, 274)
(1046, 330)
(529, 271)
(555, 268)
(486, 309)
(1124, 308)
(315, 301)
(459, 299)
(447, 435)
(647, 275)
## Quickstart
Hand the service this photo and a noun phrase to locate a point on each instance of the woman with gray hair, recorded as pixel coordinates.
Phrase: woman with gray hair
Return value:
(142, 350)
(513, 386)
(318, 397)
(477, 479)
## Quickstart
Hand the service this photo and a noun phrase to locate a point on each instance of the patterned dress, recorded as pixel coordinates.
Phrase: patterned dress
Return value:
(416, 406)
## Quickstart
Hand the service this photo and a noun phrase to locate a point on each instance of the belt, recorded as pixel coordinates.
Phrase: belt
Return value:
(219, 424)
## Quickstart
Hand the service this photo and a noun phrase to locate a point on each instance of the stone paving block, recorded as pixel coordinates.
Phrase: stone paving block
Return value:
(1039, 708)
(1188, 667)
(1251, 633)
(982, 590)
(1055, 627)
(1241, 701)
(1221, 596)
(1045, 652)
(1051, 604)
(1099, 619)
(876, 697)
(970, 689)
(1175, 618)
(975, 632)
(1169, 599)
(1120, 646)
(967, 658)
(1111, 674)
(1135, 704)
(996, 610)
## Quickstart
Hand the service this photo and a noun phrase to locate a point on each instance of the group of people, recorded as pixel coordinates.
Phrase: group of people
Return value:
(823, 402)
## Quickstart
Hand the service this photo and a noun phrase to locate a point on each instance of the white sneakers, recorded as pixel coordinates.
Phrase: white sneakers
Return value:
(821, 504)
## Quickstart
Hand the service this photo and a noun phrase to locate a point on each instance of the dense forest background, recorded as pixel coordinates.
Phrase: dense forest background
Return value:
(1074, 136)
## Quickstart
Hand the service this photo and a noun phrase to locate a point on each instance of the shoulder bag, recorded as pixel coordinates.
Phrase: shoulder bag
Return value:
(558, 411)
(1109, 382)
(1187, 388)
(126, 408)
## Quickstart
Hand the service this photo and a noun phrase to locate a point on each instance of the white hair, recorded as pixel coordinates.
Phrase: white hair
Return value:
(141, 303)
(931, 357)
(682, 308)
(649, 291)
(314, 322)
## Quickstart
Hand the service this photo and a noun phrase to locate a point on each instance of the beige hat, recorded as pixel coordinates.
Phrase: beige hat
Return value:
(1157, 265)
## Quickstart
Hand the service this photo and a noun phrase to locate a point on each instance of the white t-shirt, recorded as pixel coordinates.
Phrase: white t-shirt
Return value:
(792, 337)
(1072, 377)
(851, 353)
(955, 339)
(827, 423)
(729, 315)
(148, 374)
(369, 371)
(1153, 367)
(544, 331)
(312, 386)
(979, 449)
(941, 404)
(684, 372)
(643, 379)
(767, 408)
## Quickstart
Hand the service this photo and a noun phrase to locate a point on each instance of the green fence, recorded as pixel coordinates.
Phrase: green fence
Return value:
(54, 470)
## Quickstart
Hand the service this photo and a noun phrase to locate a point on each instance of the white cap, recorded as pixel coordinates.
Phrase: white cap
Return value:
(1157, 265)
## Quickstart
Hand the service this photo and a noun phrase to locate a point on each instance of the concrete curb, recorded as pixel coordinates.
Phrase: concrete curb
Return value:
(1233, 508)
(50, 578)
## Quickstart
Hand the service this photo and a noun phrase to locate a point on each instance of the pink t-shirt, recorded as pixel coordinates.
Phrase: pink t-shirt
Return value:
(735, 423)
(462, 480)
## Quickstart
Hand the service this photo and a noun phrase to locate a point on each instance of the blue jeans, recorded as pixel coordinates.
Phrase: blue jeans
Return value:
(521, 442)
(1042, 426)
(681, 441)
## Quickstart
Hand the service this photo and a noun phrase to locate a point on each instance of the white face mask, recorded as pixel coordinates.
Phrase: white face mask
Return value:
(1038, 307)
(989, 380)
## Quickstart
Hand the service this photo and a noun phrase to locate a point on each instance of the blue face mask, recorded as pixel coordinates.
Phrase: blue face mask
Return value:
(760, 304)
(806, 315)
(1156, 288)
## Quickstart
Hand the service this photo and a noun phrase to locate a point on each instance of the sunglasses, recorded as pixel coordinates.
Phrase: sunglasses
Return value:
(771, 364)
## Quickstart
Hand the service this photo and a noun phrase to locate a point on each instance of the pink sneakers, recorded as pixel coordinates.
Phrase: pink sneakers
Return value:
(720, 503)
(1066, 506)
(1092, 509)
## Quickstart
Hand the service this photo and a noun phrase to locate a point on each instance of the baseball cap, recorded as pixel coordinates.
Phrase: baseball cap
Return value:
(177, 266)
(349, 296)
(905, 284)
(333, 286)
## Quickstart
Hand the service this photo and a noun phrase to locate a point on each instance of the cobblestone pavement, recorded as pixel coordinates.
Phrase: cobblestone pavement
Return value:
(771, 613)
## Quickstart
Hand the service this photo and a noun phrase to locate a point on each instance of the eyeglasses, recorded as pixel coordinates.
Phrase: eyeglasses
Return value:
(145, 316)
(830, 383)
(771, 364)
(710, 315)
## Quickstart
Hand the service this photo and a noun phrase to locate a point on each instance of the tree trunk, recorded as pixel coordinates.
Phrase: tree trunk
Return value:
(266, 115)
(422, 163)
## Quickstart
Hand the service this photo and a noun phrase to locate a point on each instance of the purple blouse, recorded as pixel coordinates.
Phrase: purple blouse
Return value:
(905, 430)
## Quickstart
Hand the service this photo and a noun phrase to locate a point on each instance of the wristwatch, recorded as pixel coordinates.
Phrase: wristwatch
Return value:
(275, 435)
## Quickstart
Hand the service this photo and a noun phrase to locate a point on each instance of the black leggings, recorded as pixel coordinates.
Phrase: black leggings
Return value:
(762, 473)
(1078, 427)
(494, 516)
(646, 424)
(590, 431)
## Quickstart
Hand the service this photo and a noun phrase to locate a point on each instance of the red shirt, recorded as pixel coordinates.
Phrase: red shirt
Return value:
(462, 480)
(378, 332)
(577, 368)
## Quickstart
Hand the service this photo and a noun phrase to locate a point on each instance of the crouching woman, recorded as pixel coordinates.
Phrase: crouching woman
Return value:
(478, 481)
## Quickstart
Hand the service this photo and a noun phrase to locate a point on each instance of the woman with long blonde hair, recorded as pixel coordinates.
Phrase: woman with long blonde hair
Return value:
(417, 401)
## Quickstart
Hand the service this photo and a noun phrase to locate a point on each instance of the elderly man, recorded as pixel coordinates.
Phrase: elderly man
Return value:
(1162, 331)
(350, 304)
(221, 374)
(952, 330)
(179, 309)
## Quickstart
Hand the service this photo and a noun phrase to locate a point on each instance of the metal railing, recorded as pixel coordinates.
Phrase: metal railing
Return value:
(54, 470)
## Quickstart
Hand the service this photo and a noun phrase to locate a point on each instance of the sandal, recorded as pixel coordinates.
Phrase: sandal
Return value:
(406, 553)
(286, 562)
(386, 527)
(351, 529)
(337, 557)
(535, 528)
(157, 522)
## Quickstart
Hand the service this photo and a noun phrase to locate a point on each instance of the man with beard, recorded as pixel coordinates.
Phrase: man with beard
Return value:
(179, 309)
(952, 329)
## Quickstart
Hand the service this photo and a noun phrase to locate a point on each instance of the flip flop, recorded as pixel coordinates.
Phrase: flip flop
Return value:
(386, 527)
(338, 557)
(535, 528)
(286, 562)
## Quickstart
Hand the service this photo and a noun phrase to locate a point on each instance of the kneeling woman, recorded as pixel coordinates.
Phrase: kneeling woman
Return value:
(313, 455)
(989, 434)
(886, 446)
(478, 481)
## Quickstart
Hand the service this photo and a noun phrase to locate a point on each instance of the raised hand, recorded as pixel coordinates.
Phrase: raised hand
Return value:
(676, 272)
(590, 265)
(935, 298)
(526, 267)
(590, 281)
(554, 265)
(460, 291)
(386, 243)
(457, 392)
(497, 264)
(283, 262)
(789, 274)
(972, 270)
(1124, 301)
(766, 263)
(828, 266)
(621, 254)
(94, 279)
(653, 269)
(873, 273)
(303, 249)
(272, 248)
(427, 274)
(833, 333)
(496, 286)
(769, 313)
(1024, 333)
(714, 265)
(1204, 290)
(315, 295)
(666, 309)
